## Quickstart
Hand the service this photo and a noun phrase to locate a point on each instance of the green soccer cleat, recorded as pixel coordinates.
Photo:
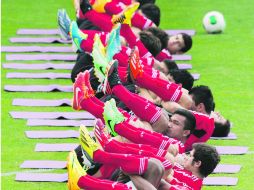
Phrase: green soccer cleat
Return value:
(76, 35)
(99, 59)
(112, 116)
(113, 43)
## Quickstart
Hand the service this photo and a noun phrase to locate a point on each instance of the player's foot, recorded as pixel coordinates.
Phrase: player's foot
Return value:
(99, 5)
(76, 35)
(64, 23)
(101, 133)
(90, 91)
(125, 16)
(135, 67)
(81, 89)
(87, 142)
(113, 77)
(101, 66)
(85, 6)
(113, 43)
(75, 171)
(112, 116)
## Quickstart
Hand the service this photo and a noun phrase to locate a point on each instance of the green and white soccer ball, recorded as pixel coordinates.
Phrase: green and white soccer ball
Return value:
(214, 22)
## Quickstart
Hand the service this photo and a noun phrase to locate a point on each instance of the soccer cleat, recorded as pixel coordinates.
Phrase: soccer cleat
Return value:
(99, 59)
(112, 116)
(76, 35)
(101, 133)
(90, 91)
(81, 89)
(135, 66)
(113, 77)
(99, 5)
(64, 23)
(85, 6)
(75, 171)
(125, 16)
(113, 42)
(87, 142)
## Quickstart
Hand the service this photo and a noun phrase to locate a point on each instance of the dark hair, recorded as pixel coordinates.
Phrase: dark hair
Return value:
(208, 156)
(190, 121)
(161, 34)
(170, 64)
(221, 130)
(203, 94)
(187, 42)
(151, 42)
(182, 77)
(143, 2)
(152, 12)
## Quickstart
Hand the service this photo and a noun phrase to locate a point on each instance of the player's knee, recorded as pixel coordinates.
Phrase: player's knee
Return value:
(155, 167)
(161, 125)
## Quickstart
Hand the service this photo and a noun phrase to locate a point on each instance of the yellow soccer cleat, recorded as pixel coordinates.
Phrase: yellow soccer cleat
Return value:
(125, 16)
(99, 5)
(87, 142)
(75, 171)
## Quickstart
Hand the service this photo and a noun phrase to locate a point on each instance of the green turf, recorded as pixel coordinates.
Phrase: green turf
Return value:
(224, 61)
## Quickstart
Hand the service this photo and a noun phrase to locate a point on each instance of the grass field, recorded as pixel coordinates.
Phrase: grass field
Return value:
(224, 61)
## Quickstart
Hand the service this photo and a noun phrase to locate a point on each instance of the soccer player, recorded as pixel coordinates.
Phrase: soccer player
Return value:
(196, 165)
(203, 102)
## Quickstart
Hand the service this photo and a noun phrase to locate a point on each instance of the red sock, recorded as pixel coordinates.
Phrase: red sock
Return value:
(97, 101)
(132, 40)
(122, 72)
(147, 61)
(132, 164)
(124, 148)
(113, 8)
(142, 108)
(149, 148)
(166, 90)
(93, 108)
(87, 45)
(90, 183)
(132, 148)
(92, 33)
(164, 54)
(103, 21)
(137, 136)
(141, 22)
(106, 171)
(152, 72)
(122, 58)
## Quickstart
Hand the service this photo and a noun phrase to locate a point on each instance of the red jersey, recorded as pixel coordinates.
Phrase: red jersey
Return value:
(184, 180)
(203, 131)
(164, 54)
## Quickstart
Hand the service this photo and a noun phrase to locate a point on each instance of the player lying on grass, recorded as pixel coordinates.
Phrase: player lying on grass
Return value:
(145, 172)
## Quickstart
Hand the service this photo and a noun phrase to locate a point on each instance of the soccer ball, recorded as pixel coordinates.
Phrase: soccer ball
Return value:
(213, 22)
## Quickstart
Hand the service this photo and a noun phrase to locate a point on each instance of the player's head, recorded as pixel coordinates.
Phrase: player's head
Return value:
(165, 66)
(152, 12)
(161, 34)
(181, 124)
(180, 43)
(151, 42)
(170, 64)
(202, 159)
(202, 99)
(222, 125)
(181, 77)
